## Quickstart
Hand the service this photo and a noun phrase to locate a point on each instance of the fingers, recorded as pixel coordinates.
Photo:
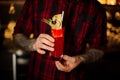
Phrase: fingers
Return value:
(47, 37)
(40, 51)
(44, 42)
(75, 59)
(62, 67)
(45, 47)
(68, 58)
(69, 63)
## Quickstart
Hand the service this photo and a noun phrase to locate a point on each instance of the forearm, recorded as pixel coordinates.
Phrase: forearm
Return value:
(92, 55)
(24, 42)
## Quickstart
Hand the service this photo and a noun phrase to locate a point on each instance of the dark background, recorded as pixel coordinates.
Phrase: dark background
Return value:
(108, 68)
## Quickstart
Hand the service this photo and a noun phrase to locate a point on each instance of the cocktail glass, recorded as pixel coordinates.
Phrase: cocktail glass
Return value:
(58, 34)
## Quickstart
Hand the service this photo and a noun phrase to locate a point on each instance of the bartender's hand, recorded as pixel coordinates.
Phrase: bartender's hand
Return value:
(69, 64)
(44, 42)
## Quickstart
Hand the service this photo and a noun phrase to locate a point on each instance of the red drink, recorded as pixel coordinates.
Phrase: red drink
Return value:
(59, 41)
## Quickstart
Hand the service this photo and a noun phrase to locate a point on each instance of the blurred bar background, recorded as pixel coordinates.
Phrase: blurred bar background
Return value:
(14, 61)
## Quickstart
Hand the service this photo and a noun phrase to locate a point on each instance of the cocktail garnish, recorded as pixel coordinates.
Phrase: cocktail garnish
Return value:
(55, 22)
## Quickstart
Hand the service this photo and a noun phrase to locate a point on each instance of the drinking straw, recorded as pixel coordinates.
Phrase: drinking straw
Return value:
(62, 15)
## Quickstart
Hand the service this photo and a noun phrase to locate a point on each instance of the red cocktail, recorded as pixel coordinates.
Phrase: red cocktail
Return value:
(58, 34)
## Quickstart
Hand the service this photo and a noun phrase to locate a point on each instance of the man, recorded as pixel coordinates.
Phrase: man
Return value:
(85, 24)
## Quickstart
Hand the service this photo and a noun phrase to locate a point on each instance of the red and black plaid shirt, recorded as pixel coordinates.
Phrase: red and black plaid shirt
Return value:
(84, 22)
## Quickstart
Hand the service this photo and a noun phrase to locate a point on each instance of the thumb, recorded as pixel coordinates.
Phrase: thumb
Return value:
(68, 58)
